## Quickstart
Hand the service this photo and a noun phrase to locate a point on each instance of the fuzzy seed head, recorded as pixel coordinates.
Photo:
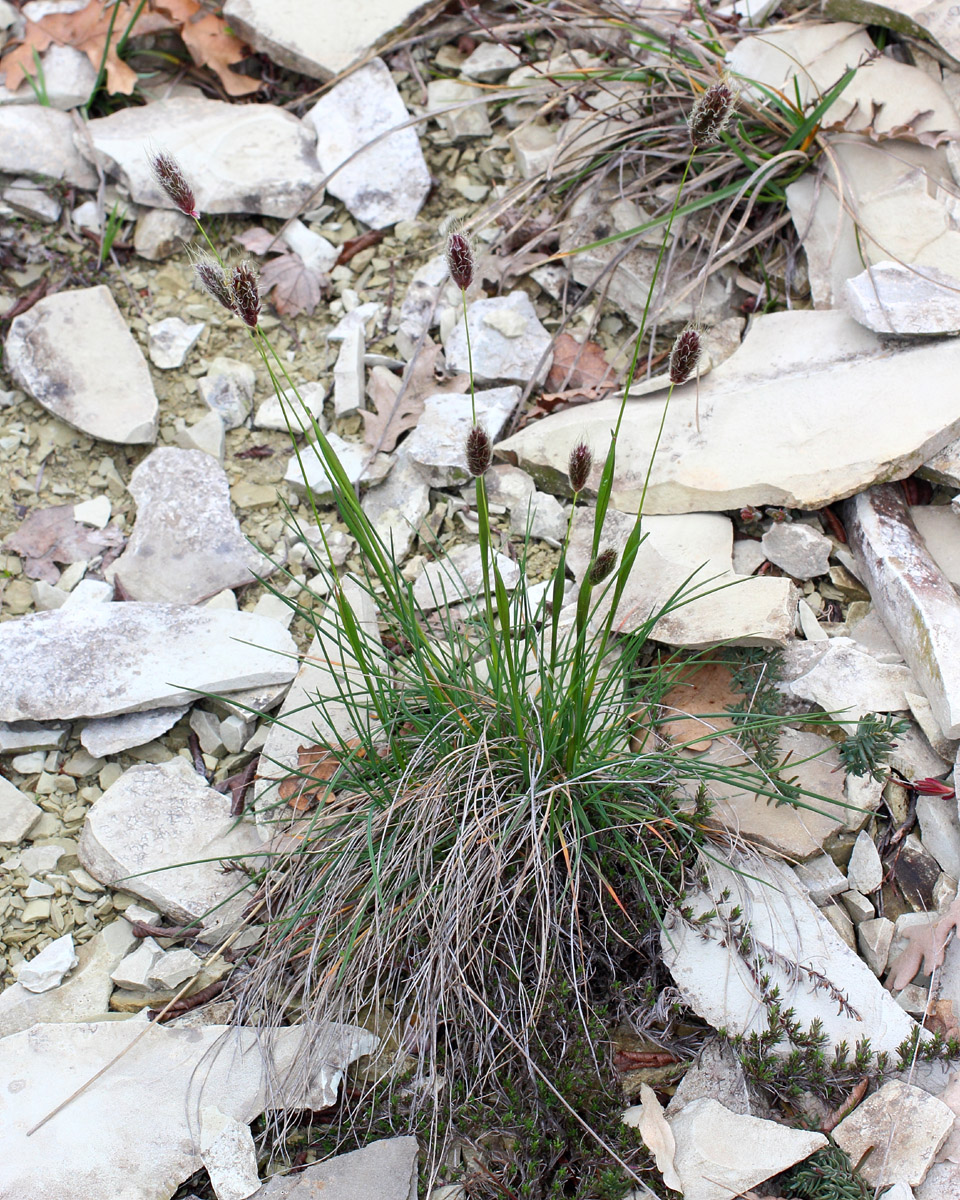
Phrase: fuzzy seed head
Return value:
(578, 468)
(460, 259)
(685, 355)
(712, 112)
(479, 450)
(601, 566)
(167, 172)
(245, 289)
(211, 277)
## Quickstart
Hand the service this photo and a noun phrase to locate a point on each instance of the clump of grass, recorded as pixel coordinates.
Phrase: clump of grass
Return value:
(491, 823)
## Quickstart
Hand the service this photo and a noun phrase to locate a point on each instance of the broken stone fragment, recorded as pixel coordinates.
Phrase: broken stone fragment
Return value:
(865, 870)
(895, 1134)
(248, 158)
(349, 373)
(387, 182)
(18, 814)
(797, 549)
(293, 411)
(36, 139)
(918, 603)
(47, 969)
(844, 679)
(57, 351)
(385, 1169)
(112, 735)
(459, 576)
(170, 341)
(507, 341)
(306, 472)
(229, 1154)
(397, 507)
(101, 660)
(890, 298)
(227, 388)
(458, 108)
(160, 232)
(186, 544)
(438, 443)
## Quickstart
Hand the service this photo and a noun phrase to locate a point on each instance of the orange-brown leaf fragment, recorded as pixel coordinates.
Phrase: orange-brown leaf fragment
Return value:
(706, 694)
(211, 45)
(316, 766)
(578, 366)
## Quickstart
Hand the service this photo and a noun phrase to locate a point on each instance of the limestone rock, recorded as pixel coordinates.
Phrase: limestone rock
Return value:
(890, 298)
(229, 1155)
(398, 506)
(349, 373)
(544, 517)
(720, 987)
(507, 341)
(156, 816)
(84, 996)
(186, 544)
(386, 1169)
(47, 969)
(438, 442)
(902, 1128)
(18, 814)
(252, 158)
(306, 473)
(170, 341)
(104, 659)
(755, 611)
(822, 878)
(458, 108)
(917, 602)
(717, 1074)
(459, 576)
(296, 35)
(38, 140)
(56, 351)
(844, 679)
(874, 938)
(275, 413)
(69, 79)
(772, 420)
(180, 1070)
(939, 526)
(865, 870)
(112, 735)
(797, 549)
(206, 435)
(388, 182)
(490, 61)
(160, 232)
(28, 198)
(227, 388)
(133, 972)
(721, 1153)
(940, 831)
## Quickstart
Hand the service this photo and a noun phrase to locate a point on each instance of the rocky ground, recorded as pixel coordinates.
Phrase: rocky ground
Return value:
(152, 485)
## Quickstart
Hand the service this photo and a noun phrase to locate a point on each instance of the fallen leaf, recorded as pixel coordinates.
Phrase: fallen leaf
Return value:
(296, 287)
(211, 45)
(395, 410)
(51, 535)
(353, 246)
(647, 1117)
(316, 766)
(577, 366)
(258, 240)
(943, 1020)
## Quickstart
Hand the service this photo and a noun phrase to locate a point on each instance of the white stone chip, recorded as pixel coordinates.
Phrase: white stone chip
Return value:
(95, 512)
(902, 1128)
(170, 341)
(229, 1155)
(507, 341)
(46, 970)
(18, 814)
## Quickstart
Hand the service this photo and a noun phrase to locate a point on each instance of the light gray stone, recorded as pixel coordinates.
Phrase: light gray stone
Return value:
(314, 250)
(84, 996)
(229, 1155)
(458, 109)
(899, 1129)
(722, 1154)
(544, 517)
(206, 435)
(105, 659)
(47, 969)
(206, 725)
(181, 1070)
(419, 310)
(385, 1169)
(939, 526)
(37, 140)
(160, 232)
(438, 443)
(156, 816)
(32, 201)
(691, 552)
(721, 988)
(940, 830)
(397, 507)
(874, 938)
(890, 298)
(252, 158)
(349, 373)
(132, 973)
(917, 602)
(112, 735)
(507, 341)
(942, 1182)
(717, 1074)
(865, 870)
(459, 576)
(69, 79)
(772, 422)
(822, 878)
(186, 544)
(172, 968)
(844, 679)
(227, 388)
(295, 34)
(170, 341)
(18, 814)
(858, 906)
(32, 735)
(389, 181)
(307, 473)
(838, 918)
(797, 549)
(491, 61)
(56, 352)
(293, 413)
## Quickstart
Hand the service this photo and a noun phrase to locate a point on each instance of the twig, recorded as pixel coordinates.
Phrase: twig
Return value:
(828, 1124)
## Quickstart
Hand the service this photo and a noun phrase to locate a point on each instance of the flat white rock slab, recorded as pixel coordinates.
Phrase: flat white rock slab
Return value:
(250, 158)
(890, 298)
(58, 350)
(186, 544)
(160, 833)
(775, 422)
(719, 986)
(135, 1132)
(104, 659)
(316, 41)
(387, 182)
(438, 443)
(507, 341)
(386, 1169)
(38, 140)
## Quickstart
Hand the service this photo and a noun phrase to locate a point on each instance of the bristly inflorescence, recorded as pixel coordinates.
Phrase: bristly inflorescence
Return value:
(685, 355)
(712, 112)
(245, 287)
(479, 450)
(601, 566)
(578, 468)
(460, 259)
(212, 278)
(167, 172)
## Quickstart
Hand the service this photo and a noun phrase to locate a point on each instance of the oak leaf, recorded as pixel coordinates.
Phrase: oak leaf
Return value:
(296, 287)
(396, 409)
(577, 366)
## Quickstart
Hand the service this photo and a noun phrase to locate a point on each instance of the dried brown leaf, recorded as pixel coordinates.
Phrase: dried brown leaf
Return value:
(211, 45)
(51, 535)
(259, 241)
(395, 409)
(316, 766)
(296, 287)
(578, 365)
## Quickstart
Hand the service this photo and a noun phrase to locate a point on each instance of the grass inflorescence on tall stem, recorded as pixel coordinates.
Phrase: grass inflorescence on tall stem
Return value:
(493, 816)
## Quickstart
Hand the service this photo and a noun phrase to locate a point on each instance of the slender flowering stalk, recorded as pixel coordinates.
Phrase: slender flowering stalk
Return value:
(685, 355)
(167, 172)
(245, 290)
(479, 451)
(712, 112)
